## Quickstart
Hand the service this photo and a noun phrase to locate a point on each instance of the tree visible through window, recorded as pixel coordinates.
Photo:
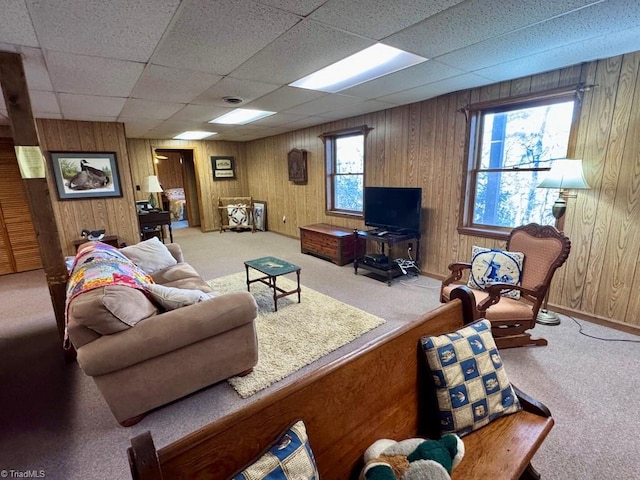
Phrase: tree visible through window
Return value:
(511, 149)
(345, 153)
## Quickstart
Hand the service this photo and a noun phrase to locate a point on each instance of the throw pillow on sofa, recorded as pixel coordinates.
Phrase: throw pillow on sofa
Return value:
(111, 309)
(150, 255)
(171, 298)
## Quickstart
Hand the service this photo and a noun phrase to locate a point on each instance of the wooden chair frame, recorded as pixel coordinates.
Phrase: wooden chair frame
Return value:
(513, 332)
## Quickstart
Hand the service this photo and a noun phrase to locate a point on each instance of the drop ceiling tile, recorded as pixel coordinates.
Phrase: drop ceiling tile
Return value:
(305, 48)
(165, 84)
(8, 47)
(474, 21)
(358, 109)
(299, 7)
(284, 98)
(377, 18)
(554, 33)
(248, 90)
(43, 102)
(15, 24)
(306, 122)
(56, 116)
(82, 105)
(325, 104)
(427, 72)
(199, 113)
(219, 36)
(119, 29)
(277, 120)
(435, 89)
(35, 69)
(617, 43)
(84, 75)
(147, 109)
(134, 128)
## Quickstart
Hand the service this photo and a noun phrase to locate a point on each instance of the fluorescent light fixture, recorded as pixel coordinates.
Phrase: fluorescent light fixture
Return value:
(373, 62)
(241, 116)
(194, 135)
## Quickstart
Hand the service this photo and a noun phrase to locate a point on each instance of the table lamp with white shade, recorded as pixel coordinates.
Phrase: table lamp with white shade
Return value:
(566, 174)
(151, 185)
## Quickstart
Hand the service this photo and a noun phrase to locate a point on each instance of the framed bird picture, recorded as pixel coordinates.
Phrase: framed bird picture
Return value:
(86, 175)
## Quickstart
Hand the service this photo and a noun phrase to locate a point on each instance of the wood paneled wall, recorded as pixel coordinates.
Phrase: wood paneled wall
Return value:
(170, 170)
(423, 144)
(141, 153)
(116, 215)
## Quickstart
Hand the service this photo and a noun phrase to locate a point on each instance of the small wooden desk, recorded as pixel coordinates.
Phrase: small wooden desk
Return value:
(150, 221)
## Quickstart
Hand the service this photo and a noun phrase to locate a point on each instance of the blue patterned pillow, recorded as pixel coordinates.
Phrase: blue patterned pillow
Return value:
(290, 457)
(491, 265)
(471, 384)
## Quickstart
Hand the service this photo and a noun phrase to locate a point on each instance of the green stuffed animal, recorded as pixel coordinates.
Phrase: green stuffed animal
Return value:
(413, 459)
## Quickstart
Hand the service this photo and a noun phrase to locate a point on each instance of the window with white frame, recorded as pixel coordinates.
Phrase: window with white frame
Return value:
(511, 147)
(345, 155)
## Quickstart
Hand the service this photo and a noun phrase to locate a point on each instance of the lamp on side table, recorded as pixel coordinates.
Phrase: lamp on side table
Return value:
(151, 185)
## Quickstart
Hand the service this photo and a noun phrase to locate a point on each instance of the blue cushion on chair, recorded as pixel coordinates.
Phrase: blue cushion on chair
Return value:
(290, 457)
(471, 384)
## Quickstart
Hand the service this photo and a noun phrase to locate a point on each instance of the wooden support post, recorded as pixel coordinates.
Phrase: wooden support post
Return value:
(23, 128)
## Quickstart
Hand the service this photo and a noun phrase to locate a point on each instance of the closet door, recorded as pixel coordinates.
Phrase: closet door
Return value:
(18, 245)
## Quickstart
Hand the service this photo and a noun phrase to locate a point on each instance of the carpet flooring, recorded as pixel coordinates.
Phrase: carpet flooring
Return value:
(298, 333)
(52, 416)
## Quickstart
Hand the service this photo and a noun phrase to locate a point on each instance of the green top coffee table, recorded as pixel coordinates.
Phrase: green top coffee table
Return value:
(272, 268)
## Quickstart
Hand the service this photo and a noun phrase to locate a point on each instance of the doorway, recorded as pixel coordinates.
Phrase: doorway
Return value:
(177, 175)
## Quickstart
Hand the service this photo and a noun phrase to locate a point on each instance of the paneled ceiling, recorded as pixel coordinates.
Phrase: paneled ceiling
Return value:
(163, 66)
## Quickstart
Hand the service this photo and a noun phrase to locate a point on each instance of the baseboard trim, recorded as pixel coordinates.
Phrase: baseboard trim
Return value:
(607, 322)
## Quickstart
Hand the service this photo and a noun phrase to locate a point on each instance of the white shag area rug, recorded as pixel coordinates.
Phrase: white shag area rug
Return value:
(298, 333)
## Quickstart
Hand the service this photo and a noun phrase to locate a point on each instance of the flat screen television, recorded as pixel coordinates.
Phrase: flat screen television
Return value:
(396, 209)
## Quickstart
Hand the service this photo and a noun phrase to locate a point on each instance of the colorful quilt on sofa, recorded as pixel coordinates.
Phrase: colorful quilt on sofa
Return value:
(100, 265)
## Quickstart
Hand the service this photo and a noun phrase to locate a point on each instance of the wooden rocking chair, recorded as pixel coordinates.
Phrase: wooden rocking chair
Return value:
(545, 249)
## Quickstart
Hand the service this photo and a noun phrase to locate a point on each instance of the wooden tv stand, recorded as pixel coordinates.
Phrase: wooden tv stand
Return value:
(336, 244)
(390, 270)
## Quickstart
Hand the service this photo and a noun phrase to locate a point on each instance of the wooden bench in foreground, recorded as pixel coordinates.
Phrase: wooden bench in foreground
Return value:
(378, 391)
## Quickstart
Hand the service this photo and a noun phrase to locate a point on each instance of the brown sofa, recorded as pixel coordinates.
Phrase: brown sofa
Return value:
(167, 353)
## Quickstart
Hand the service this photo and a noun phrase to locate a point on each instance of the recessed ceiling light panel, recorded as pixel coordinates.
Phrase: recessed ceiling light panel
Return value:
(242, 116)
(194, 135)
(368, 64)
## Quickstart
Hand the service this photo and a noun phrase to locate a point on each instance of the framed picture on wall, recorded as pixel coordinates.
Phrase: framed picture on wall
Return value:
(297, 166)
(223, 168)
(86, 175)
(260, 215)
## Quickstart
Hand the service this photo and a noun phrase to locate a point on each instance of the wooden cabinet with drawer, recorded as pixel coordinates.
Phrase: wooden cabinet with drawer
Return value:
(336, 244)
